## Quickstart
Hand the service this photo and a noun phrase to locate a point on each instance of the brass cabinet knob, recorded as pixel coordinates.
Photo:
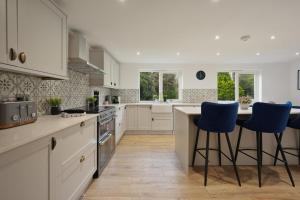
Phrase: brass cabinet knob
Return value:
(82, 158)
(82, 124)
(22, 57)
(12, 54)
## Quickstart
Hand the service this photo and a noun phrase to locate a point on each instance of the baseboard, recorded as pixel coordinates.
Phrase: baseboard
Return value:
(143, 132)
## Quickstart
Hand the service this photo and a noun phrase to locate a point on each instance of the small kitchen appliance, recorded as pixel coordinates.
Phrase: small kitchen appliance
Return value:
(17, 113)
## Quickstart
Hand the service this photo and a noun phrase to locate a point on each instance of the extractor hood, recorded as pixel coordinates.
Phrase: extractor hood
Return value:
(79, 55)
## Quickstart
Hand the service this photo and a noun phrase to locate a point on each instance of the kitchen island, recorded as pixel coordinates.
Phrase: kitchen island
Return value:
(185, 134)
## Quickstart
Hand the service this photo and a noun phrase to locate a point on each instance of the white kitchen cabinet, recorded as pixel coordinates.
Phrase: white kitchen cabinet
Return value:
(3, 31)
(120, 123)
(37, 34)
(132, 117)
(26, 173)
(75, 160)
(124, 121)
(110, 66)
(162, 121)
(144, 117)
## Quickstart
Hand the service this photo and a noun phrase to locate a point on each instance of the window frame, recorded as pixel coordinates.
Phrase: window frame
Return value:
(237, 73)
(160, 82)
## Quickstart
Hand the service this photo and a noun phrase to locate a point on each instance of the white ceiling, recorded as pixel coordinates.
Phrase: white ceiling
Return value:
(161, 28)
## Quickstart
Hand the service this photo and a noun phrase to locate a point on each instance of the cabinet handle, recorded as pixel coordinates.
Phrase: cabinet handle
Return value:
(82, 158)
(152, 119)
(12, 54)
(53, 143)
(82, 124)
(110, 83)
(22, 57)
(115, 84)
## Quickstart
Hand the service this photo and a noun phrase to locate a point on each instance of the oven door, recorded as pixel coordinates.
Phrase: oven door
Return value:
(104, 149)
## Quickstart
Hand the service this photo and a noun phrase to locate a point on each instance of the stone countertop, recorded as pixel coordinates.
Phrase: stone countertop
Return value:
(45, 125)
(197, 111)
(152, 103)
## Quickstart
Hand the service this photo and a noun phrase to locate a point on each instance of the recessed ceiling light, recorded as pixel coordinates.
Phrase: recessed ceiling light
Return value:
(217, 37)
(218, 53)
(138, 53)
(215, 1)
(178, 53)
(122, 1)
(297, 53)
(258, 54)
(272, 37)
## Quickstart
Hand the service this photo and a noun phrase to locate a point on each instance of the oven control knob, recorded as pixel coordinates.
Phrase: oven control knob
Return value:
(33, 115)
(15, 117)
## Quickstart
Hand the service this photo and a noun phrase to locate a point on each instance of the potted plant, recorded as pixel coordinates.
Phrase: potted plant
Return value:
(54, 103)
(245, 102)
(91, 101)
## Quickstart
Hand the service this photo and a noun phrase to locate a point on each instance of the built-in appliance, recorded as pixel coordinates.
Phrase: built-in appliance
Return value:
(105, 134)
(17, 113)
(115, 99)
(79, 55)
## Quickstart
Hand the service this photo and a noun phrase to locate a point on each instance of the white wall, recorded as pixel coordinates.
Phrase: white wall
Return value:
(130, 75)
(275, 78)
(294, 92)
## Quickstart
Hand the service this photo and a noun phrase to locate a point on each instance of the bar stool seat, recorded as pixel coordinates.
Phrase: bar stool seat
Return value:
(216, 118)
(266, 118)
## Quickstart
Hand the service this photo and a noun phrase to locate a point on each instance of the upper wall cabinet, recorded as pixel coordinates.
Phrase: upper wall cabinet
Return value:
(111, 67)
(33, 38)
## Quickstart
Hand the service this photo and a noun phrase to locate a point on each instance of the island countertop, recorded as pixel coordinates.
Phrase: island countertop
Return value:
(189, 110)
(45, 125)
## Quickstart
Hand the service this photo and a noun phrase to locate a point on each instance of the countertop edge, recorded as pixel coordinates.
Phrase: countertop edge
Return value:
(8, 135)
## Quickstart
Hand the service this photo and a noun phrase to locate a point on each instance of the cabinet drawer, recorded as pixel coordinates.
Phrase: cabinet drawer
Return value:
(74, 138)
(162, 122)
(77, 171)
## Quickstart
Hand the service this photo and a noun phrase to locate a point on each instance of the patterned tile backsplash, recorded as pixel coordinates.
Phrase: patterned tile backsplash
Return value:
(127, 95)
(199, 95)
(73, 91)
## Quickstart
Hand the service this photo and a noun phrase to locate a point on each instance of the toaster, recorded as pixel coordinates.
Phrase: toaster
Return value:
(17, 113)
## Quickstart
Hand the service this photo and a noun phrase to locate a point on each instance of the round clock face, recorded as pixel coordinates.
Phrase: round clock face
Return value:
(200, 75)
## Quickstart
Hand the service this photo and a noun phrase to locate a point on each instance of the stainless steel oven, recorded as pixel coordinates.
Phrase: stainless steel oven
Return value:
(106, 138)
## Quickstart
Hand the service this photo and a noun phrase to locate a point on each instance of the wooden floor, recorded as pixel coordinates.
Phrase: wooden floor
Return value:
(146, 167)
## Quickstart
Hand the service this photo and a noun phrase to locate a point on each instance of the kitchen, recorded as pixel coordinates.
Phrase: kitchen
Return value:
(99, 98)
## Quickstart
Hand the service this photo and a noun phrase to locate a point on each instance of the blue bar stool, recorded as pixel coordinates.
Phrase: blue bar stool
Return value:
(295, 124)
(266, 118)
(216, 118)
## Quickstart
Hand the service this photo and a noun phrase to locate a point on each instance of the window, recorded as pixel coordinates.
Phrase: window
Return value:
(232, 85)
(158, 85)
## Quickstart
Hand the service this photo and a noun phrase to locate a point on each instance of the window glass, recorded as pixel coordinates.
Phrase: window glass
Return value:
(170, 86)
(246, 85)
(226, 86)
(149, 86)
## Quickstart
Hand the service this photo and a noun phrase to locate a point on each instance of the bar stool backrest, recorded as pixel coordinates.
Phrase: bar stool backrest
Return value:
(269, 117)
(218, 117)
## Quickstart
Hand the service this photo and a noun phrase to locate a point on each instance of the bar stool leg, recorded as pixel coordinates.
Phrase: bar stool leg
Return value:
(206, 158)
(299, 150)
(195, 147)
(238, 143)
(233, 159)
(258, 149)
(219, 149)
(284, 159)
(277, 150)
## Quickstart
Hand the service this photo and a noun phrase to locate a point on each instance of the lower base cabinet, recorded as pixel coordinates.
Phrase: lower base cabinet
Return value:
(58, 167)
(25, 172)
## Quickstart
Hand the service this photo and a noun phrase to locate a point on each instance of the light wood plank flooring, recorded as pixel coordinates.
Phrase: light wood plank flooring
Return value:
(145, 167)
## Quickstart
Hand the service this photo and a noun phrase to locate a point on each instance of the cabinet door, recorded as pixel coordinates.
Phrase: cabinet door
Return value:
(112, 72)
(131, 117)
(3, 49)
(107, 70)
(38, 29)
(124, 121)
(117, 75)
(144, 117)
(25, 172)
